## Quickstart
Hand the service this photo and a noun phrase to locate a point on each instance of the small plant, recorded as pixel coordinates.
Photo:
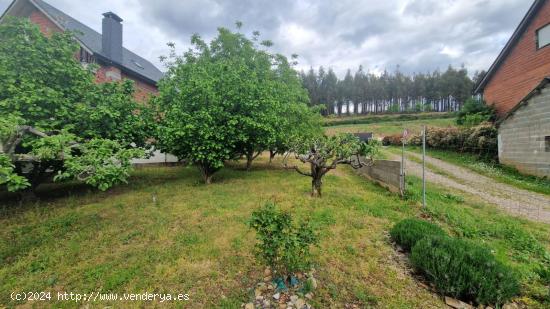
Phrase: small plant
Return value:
(408, 232)
(464, 270)
(281, 244)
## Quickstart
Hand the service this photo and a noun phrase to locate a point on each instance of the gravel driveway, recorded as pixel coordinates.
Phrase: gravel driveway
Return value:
(516, 201)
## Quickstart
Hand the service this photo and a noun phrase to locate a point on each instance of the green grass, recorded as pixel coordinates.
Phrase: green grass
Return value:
(392, 127)
(195, 240)
(498, 172)
(376, 118)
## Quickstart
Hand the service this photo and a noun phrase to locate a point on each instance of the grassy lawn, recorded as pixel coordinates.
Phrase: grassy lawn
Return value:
(498, 172)
(392, 127)
(375, 118)
(167, 233)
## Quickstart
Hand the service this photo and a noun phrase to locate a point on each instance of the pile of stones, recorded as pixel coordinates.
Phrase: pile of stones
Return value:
(293, 292)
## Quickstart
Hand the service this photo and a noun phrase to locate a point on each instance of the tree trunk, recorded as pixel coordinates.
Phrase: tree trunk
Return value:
(316, 184)
(250, 156)
(206, 173)
(272, 154)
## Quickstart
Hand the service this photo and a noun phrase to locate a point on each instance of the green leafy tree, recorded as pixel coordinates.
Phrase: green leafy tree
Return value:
(54, 114)
(226, 99)
(476, 111)
(325, 153)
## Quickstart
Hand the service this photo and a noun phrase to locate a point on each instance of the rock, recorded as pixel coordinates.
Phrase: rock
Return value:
(276, 296)
(313, 283)
(266, 304)
(300, 303)
(510, 306)
(267, 272)
(309, 295)
(488, 307)
(457, 304)
(257, 292)
(267, 279)
(299, 276)
(293, 299)
(282, 306)
(259, 298)
(249, 306)
(270, 287)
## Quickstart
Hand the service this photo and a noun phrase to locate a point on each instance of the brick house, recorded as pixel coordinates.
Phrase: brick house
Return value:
(517, 85)
(104, 49)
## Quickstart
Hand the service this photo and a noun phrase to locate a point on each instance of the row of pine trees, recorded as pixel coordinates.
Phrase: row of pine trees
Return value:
(365, 92)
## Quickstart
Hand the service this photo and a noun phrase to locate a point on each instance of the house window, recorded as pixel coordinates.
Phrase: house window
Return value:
(85, 57)
(547, 143)
(543, 36)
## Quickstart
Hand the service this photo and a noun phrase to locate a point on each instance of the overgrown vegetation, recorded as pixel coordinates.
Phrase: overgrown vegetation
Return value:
(480, 140)
(283, 244)
(56, 121)
(464, 270)
(229, 98)
(408, 232)
(475, 112)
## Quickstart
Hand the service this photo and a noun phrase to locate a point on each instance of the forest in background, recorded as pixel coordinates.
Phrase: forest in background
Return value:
(389, 92)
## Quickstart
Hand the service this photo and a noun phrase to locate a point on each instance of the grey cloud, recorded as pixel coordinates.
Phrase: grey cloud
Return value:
(419, 35)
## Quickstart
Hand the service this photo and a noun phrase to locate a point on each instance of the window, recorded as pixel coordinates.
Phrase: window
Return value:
(543, 36)
(547, 143)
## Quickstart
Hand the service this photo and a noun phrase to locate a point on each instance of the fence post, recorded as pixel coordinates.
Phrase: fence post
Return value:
(424, 167)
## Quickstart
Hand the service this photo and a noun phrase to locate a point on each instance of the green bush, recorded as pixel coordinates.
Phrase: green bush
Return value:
(464, 270)
(281, 244)
(408, 232)
(480, 140)
(476, 107)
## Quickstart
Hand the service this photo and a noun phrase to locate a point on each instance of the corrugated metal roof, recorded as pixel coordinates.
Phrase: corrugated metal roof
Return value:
(92, 40)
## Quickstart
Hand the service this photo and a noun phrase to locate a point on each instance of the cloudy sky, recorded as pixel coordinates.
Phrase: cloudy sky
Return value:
(417, 35)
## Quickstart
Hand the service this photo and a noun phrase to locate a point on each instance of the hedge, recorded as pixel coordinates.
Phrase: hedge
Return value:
(409, 231)
(464, 270)
(480, 140)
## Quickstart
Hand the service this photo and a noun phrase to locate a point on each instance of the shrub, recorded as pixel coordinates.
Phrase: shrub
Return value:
(281, 244)
(408, 232)
(480, 140)
(476, 107)
(392, 140)
(464, 270)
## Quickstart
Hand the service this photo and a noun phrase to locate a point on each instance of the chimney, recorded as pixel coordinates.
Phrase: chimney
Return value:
(111, 44)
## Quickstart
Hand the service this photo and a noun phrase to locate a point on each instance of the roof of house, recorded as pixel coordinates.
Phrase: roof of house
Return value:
(525, 22)
(92, 40)
(545, 81)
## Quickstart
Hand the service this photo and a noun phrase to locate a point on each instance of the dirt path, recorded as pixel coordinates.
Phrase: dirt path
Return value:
(516, 201)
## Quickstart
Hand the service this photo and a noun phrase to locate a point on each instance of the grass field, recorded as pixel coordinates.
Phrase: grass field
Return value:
(392, 127)
(167, 233)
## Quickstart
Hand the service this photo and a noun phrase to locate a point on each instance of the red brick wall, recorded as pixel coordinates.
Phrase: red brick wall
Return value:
(522, 70)
(143, 90)
(46, 25)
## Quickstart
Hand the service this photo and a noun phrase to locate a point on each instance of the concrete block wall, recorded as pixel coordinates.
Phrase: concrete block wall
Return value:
(522, 137)
(386, 173)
